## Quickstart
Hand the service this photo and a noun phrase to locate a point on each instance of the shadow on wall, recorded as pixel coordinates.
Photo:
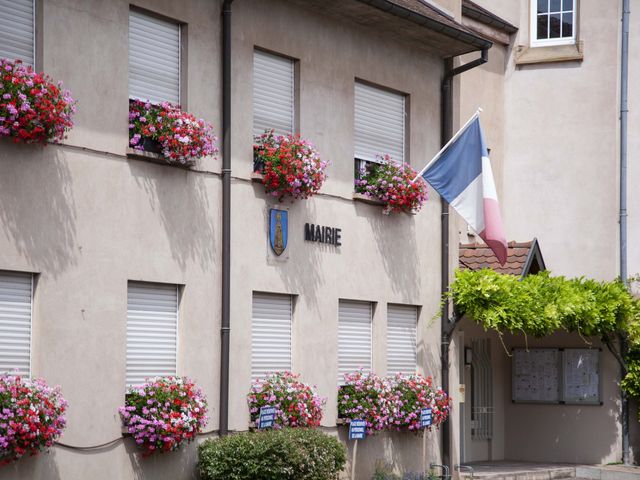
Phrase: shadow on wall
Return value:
(400, 451)
(37, 207)
(182, 200)
(43, 466)
(178, 465)
(399, 252)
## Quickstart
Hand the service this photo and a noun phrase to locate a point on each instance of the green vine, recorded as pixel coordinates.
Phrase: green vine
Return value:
(541, 304)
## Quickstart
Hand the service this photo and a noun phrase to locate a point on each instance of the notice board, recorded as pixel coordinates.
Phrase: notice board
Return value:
(536, 376)
(581, 368)
(556, 375)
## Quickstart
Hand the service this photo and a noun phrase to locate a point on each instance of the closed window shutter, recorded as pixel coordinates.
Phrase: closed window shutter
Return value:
(15, 322)
(354, 337)
(379, 123)
(402, 323)
(17, 31)
(154, 58)
(152, 331)
(270, 334)
(273, 94)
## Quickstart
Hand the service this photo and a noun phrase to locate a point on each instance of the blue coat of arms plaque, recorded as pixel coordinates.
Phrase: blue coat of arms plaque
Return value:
(278, 230)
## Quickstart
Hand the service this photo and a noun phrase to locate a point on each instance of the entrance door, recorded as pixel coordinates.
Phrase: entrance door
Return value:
(479, 398)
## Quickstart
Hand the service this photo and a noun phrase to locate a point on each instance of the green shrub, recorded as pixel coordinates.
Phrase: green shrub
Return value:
(296, 454)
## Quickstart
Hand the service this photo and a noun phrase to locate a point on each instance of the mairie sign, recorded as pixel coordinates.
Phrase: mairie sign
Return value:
(425, 417)
(267, 417)
(357, 429)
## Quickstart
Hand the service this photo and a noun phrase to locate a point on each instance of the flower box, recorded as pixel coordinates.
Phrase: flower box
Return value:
(163, 413)
(165, 130)
(290, 166)
(392, 183)
(31, 406)
(33, 108)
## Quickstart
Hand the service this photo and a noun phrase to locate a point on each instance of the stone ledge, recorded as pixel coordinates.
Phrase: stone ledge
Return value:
(257, 177)
(557, 53)
(155, 158)
(359, 197)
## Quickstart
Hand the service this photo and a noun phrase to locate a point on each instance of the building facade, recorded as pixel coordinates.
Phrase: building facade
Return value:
(118, 259)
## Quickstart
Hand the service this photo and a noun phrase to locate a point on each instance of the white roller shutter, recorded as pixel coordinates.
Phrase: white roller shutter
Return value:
(354, 337)
(16, 293)
(402, 323)
(270, 334)
(152, 331)
(379, 123)
(17, 32)
(273, 93)
(154, 58)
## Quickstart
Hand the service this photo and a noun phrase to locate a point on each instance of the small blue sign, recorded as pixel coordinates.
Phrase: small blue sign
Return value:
(267, 417)
(357, 429)
(425, 417)
(278, 230)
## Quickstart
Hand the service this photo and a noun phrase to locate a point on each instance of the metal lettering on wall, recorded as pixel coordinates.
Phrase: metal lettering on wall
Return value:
(322, 234)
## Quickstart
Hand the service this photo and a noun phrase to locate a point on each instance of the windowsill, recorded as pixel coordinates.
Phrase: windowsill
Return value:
(256, 177)
(556, 53)
(359, 197)
(154, 158)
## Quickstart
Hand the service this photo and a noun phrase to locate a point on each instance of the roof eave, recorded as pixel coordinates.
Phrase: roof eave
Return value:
(477, 42)
(488, 19)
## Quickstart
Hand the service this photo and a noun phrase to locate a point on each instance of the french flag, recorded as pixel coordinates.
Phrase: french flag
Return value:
(461, 173)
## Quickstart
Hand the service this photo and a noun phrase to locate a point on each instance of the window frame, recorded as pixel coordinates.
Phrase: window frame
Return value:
(32, 282)
(295, 91)
(362, 162)
(550, 42)
(178, 289)
(182, 66)
(370, 369)
(414, 310)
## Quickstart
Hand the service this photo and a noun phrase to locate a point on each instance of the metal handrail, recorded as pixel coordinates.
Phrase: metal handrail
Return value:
(465, 467)
(445, 470)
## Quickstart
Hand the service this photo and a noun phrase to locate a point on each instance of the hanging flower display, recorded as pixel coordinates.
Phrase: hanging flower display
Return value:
(178, 136)
(297, 404)
(163, 413)
(392, 183)
(391, 403)
(290, 165)
(412, 394)
(33, 108)
(368, 397)
(31, 416)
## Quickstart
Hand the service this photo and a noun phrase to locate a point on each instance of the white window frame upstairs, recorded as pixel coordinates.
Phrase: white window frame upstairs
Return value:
(274, 88)
(31, 276)
(177, 328)
(548, 42)
(32, 34)
(371, 110)
(134, 12)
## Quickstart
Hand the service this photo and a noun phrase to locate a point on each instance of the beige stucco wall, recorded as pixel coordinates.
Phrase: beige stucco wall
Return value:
(87, 219)
(561, 148)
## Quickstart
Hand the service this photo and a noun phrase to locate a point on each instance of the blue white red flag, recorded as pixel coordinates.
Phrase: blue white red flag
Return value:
(461, 173)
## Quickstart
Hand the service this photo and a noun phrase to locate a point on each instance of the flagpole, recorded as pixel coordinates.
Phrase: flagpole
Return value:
(453, 139)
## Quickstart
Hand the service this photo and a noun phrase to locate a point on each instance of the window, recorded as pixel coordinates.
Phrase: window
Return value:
(270, 334)
(354, 337)
(402, 323)
(152, 331)
(17, 30)
(553, 22)
(154, 58)
(379, 124)
(16, 294)
(273, 93)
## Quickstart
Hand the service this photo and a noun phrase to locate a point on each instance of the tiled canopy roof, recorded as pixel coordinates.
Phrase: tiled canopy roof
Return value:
(522, 258)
